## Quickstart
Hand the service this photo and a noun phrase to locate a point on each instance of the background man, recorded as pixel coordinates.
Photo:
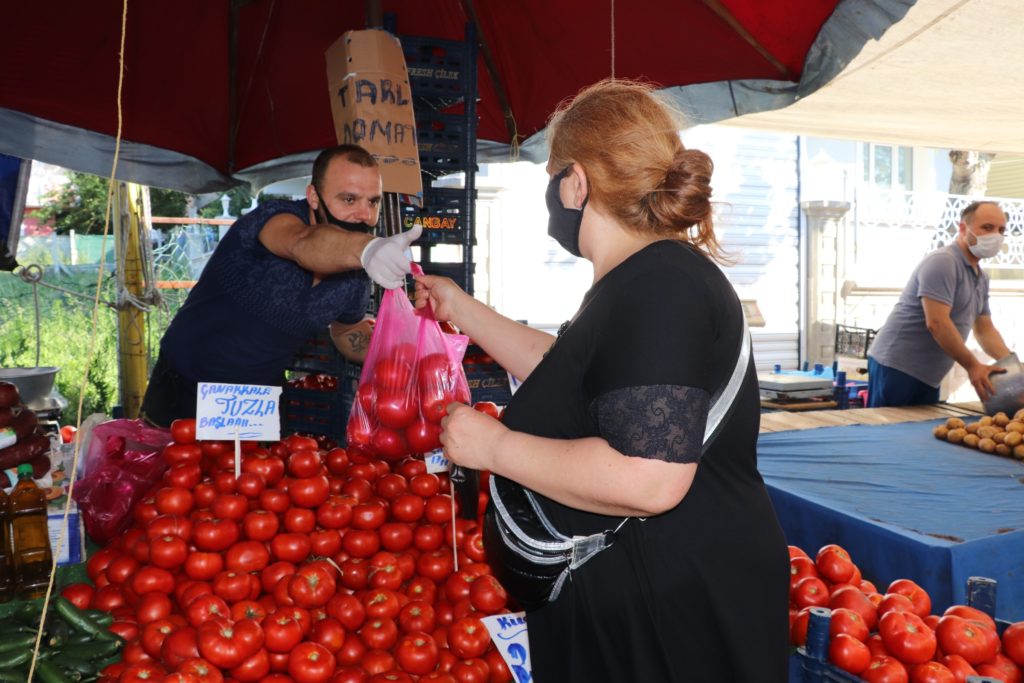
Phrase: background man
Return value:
(282, 272)
(946, 297)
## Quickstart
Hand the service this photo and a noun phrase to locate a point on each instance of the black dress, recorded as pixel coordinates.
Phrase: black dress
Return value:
(700, 593)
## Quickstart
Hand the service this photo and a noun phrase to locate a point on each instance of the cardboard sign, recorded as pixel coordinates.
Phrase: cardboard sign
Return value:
(371, 103)
(250, 412)
(508, 632)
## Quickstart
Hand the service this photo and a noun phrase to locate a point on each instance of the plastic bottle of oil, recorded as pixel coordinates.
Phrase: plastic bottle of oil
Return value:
(6, 569)
(33, 559)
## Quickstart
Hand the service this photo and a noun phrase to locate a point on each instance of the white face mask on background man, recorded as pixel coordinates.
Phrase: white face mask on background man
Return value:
(986, 246)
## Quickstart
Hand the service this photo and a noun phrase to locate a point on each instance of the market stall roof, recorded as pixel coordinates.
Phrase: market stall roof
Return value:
(947, 75)
(199, 114)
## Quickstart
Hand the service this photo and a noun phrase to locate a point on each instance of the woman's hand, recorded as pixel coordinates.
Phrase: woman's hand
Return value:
(470, 437)
(441, 293)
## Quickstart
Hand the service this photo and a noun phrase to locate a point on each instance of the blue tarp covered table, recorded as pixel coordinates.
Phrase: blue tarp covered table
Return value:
(905, 505)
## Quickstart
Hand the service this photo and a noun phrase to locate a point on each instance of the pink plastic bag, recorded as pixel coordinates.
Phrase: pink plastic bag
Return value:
(124, 460)
(412, 372)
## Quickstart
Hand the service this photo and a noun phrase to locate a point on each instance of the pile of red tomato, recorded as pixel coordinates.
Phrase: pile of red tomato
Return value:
(398, 411)
(311, 566)
(893, 637)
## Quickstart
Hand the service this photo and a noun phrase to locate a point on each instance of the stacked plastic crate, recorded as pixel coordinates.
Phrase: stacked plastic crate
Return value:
(442, 77)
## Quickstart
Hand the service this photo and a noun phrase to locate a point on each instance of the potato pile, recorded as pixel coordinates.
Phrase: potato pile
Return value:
(997, 434)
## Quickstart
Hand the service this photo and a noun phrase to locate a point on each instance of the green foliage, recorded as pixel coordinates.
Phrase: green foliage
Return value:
(65, 333)
(80, 205)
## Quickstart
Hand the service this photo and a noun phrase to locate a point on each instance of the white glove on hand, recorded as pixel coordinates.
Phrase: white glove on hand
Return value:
(386, 259)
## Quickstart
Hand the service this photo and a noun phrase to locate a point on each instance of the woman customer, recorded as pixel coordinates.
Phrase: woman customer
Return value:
(609, 420)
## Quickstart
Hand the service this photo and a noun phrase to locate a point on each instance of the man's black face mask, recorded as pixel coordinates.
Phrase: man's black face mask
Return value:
(324, 214)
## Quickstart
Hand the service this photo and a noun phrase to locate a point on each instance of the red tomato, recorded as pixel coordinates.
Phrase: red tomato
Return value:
(232, 506)
(355, 572)
(931, 672)
(369, 515)
(177, 453)
(396, 536)
(311, 663)
(424, 485)
(918, 596)
(273, 573)
(205, 608)
(294, 442)
(381, 602)
(885, 669)
(1013, 642)
(907, 637)
(971, 613)
(167, 552)
(959, 666)
(847, 621)
(183, 430)
(275, 500)
(253, 669)
(394, 372)
(407, 507)
(248, 609)
(304, 463)
(849, 653)
(299, 520)
(250, 484)
(79, 594)
(325, 542)
(468, 638)
(291, 547)
(348, 610)
(810, 592)
(417, 653)
(1002, 668)
(185, 475)
(282, 631)
(488, 408)
(423, 435)
(834, 563)
(894, 602)
(851, 598)
(201, 566)
(152, 579)
(153, 635)
(174, 501)
(972, 640)
(439, 509)
(270, 467)
(181, 650)
(235, 587)
(488, 596)
(153, 607)
(390, 444)
(227, 645)
(361, 542)
(260, 525)
(427, 537)
(309, 492)
(311, 586)
(334, 513)
(215, 534)
(204, 494)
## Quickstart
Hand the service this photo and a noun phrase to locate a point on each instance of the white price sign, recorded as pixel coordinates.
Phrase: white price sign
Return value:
(436, 462)
(508, 632)
(244, 411)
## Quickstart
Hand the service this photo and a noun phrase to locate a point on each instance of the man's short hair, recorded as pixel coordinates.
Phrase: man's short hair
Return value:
(968, 213)
(351, 153)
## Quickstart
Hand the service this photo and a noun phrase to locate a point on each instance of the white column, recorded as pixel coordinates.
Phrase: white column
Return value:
(825, 229)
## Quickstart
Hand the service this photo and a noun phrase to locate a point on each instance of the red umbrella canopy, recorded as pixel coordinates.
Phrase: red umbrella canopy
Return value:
(234, 89)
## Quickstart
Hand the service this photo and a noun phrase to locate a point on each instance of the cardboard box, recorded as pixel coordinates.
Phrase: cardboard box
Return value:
(371, 103)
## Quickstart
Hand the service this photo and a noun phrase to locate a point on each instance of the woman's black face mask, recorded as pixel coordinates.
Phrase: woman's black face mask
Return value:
(563, 223)
(328, 217)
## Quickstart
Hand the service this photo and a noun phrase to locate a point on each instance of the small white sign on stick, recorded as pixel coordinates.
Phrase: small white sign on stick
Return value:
(508, 632)
(250, 412)
(436, 462)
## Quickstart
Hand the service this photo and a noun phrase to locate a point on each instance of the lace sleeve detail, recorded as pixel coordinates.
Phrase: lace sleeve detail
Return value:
(660, 421)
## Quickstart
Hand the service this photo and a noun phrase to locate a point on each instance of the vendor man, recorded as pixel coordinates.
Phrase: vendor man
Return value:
(946, 298)
(282, 272)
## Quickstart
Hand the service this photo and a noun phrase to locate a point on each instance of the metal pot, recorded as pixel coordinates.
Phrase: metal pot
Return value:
(34, 384)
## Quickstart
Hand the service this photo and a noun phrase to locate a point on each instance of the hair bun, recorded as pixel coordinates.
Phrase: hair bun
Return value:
(684, 197)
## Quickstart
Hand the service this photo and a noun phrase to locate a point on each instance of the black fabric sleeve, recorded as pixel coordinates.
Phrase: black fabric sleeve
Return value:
(651, 377)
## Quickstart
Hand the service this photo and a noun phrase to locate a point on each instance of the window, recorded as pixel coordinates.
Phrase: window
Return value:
(887, 167)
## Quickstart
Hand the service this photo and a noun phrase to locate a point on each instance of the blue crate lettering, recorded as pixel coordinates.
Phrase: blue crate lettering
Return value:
(437, 68)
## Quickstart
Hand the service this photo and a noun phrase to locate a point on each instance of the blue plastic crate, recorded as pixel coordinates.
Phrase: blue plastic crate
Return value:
(438, 68)
(444, 142)
(445, 216)
(309, 411)
(318, 355)
(487, 381)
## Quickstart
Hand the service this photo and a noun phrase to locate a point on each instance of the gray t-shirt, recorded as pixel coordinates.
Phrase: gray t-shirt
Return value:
(904, 342)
